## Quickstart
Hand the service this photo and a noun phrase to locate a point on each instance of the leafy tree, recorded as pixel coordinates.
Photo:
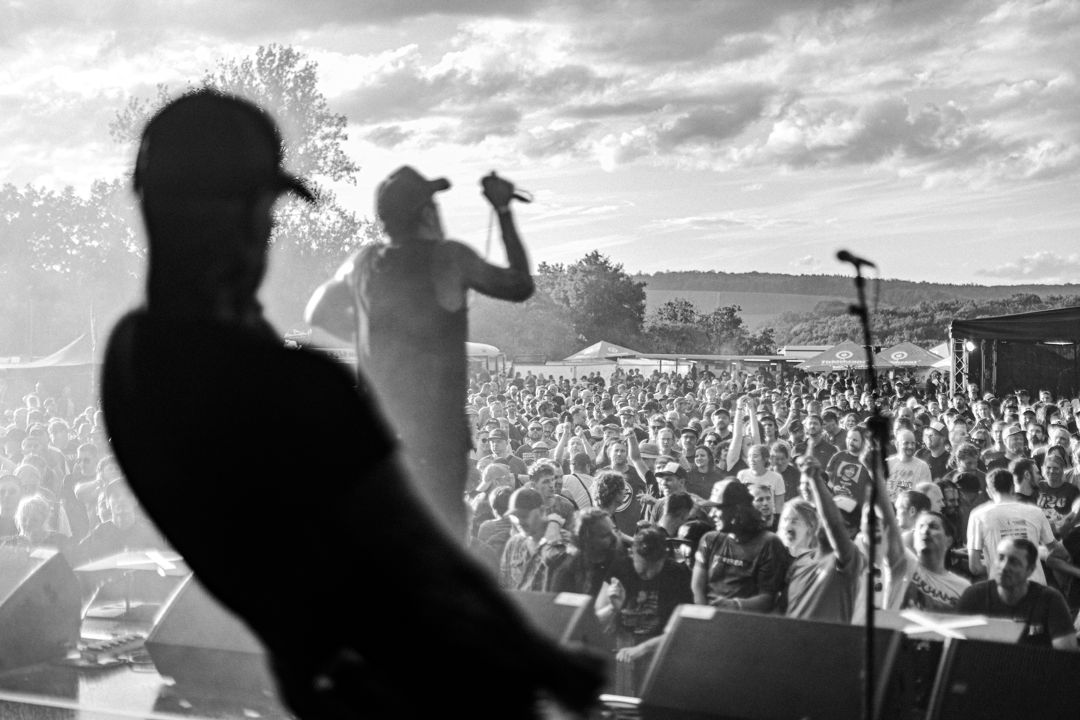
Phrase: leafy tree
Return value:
(601, 301)
(63, 259)
(285, 83)
(725, 330)
(535, 327)
(308, 242)
(763, 342)
(677, 311)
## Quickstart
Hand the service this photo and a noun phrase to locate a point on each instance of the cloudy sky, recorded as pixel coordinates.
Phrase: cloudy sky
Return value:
(940, 139)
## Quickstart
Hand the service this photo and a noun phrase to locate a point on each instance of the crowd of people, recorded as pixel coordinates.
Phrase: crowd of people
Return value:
(750, 494)
(60, 485)
(734, 491)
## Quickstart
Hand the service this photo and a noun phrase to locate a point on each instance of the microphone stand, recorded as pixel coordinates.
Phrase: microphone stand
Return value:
(879, 429)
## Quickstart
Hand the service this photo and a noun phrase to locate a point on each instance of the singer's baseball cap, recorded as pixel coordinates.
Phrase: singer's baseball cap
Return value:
(211, 144)
(403, 192)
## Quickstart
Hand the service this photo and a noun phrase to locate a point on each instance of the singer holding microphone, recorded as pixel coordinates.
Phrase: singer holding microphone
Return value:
(403, 304)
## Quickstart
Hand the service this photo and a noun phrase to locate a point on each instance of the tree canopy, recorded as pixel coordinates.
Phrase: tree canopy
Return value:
(65, 256)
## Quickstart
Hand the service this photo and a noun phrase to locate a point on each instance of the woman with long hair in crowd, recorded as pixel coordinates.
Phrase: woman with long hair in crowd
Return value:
(702, 474)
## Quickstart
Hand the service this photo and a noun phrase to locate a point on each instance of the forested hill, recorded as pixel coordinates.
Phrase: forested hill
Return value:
(763, 297)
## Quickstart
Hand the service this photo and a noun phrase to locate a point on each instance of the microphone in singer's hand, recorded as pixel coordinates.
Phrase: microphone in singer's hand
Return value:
(523, 195)
(845, 256)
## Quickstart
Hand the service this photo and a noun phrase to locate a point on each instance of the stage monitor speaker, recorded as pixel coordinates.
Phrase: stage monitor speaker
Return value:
(997, 681)
(715, 663)
(39, 606)
(196, 641)
(567, 618)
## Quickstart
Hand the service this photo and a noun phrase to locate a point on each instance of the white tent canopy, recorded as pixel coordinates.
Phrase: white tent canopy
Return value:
(602, 350)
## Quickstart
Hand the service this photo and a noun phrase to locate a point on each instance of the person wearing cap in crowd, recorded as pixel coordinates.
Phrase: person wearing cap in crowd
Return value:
(672, 479)
(403, 304)
(500, 453)
(642, 597)
(535, 547)
(721, 423)
(534, 443)
(741, 565)
(1014, 447)
(688, 442)
(935, 452)
(207, 176)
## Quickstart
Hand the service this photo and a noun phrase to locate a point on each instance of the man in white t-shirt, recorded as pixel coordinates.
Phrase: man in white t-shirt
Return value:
(905, 470)
(1006, 517)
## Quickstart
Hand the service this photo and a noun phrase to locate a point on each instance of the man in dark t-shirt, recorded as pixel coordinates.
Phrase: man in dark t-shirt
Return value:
(643, 595)
(1011, 594)
(200, 350)
(741, 566)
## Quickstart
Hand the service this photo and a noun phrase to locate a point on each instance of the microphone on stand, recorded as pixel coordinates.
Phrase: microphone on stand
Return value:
(845, 256)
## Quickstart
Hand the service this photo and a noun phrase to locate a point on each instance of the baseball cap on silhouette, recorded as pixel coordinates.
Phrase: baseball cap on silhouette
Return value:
(405, 191)
(210, 144)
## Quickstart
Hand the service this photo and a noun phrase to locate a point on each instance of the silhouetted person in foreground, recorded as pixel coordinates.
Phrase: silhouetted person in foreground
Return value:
(404, 305)
(366, 607)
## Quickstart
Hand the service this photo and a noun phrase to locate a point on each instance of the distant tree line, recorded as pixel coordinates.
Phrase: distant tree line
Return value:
(923, 323)
(594, 299)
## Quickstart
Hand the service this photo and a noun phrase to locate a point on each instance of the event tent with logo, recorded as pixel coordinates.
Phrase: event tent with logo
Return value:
(845, 356)
(906, 355)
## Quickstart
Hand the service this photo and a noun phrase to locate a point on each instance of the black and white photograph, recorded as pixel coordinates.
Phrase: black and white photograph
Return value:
(539, 360)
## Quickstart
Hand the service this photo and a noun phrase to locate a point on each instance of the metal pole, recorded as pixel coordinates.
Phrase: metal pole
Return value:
(880, 432)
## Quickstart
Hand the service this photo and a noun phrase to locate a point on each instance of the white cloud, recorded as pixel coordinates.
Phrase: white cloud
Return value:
(1043, 266)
